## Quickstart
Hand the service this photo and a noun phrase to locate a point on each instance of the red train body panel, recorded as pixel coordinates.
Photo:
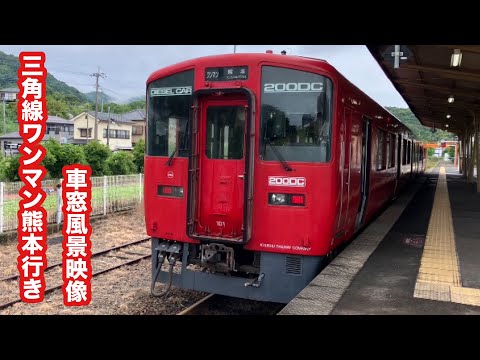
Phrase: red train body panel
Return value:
(258, 166)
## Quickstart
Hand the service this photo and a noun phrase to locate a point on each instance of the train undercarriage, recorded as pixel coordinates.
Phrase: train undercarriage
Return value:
(231, 270)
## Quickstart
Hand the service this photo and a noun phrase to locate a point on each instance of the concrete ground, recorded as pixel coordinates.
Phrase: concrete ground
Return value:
(385, 284)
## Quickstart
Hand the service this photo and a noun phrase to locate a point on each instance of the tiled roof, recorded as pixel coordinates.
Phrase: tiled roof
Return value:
(16, 135)
(10, 90)
(103, 116)
(135, 115)
(12, 135)
(58, 120)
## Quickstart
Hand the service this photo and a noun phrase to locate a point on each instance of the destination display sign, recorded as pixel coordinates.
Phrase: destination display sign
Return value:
(226, 73)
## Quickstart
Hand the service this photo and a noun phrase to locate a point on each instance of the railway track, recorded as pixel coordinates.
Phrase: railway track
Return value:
(214, 304)
(117, 252)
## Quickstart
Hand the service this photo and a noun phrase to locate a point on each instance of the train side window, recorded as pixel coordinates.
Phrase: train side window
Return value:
(391, 152)
(404, 152)
(381, 150)
(409, 151)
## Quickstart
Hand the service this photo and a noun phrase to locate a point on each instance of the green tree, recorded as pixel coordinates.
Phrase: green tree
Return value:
(52, 160)
(57, 106)
(123, 108)
(10, 170)
(62, 155)
(121, 163)
(421, 132)
(137, 104)
(3, 166)
(96, 155)
(430, 152)
(11, 121)
(450, 150)
(139, 155)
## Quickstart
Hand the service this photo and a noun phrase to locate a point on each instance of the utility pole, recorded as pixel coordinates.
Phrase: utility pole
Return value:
(4, 121)
(86, 117)
(103, 76)
(108, 128)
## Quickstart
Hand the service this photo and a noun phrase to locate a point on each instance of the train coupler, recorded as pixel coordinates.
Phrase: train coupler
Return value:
(218, 257)
(257, 282)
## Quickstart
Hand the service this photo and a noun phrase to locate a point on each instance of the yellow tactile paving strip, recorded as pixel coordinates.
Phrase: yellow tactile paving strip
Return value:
(439, 274)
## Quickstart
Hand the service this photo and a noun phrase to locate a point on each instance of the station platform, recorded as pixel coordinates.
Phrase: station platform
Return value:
(420, 256)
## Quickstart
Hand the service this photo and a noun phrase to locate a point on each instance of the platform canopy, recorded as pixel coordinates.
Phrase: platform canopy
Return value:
(440, 83)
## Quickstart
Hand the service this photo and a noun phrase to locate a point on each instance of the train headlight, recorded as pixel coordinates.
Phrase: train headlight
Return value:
(277, 199)
(286, 199)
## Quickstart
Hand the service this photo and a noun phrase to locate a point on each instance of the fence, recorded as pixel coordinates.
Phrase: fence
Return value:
(109, 194)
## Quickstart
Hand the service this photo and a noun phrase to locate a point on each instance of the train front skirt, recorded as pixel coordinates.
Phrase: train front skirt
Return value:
(281, 278)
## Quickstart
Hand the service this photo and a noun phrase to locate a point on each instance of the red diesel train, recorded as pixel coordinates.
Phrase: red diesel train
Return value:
(258, 166)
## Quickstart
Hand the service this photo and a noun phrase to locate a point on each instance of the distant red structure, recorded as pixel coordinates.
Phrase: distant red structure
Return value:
(445, 144)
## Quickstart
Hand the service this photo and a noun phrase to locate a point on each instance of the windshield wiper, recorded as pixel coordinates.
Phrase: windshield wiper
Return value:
(170, 159)
(182, 141)
(279, 156)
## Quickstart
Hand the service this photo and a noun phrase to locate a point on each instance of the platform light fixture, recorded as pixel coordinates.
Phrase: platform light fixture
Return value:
(446, 125)
(451, 99)
(449, 116)
(456, 58)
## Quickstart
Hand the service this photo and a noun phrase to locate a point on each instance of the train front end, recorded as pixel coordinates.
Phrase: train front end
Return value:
(239, 174)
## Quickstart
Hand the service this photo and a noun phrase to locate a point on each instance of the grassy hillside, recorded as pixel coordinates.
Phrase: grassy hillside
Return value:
(101, 96)
(423, 133)
(9, 65)
(62, 100)
(136, 98)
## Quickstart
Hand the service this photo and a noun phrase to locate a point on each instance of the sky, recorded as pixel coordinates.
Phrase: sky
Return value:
(128, 66)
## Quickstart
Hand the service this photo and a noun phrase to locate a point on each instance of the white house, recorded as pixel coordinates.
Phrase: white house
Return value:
(120, 134)
(138, 117)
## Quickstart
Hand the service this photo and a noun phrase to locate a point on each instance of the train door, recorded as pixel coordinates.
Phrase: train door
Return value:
(220, 190)
(399, 156)
(412, 158)
(364, 170)
(345, 155)
(409, 157)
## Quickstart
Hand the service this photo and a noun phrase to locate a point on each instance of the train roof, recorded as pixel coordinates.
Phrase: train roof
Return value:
(234, 59)
(240, 59)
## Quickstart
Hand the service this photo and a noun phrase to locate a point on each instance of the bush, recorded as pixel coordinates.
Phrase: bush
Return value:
(97, 155)
(139, 155)
(10, 168)
(61, 155)
(121, 163)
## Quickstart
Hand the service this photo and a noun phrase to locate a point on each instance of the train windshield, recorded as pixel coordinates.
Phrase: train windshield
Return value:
(169, 103)
(296, 116)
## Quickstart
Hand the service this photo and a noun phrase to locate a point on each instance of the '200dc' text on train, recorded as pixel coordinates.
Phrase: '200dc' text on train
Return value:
(259, 166)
